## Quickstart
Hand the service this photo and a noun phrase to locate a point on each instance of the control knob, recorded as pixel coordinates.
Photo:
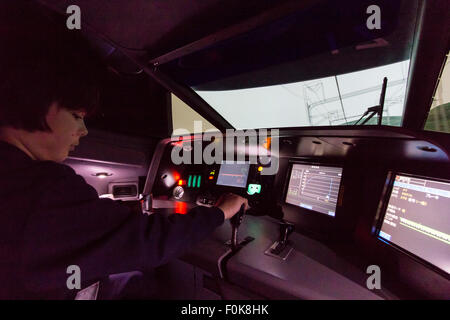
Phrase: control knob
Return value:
(178, 192)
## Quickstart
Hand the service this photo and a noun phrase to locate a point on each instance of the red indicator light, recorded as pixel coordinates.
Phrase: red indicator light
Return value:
(180, 207)
(211, 177)
(267, 143)
(176, 176)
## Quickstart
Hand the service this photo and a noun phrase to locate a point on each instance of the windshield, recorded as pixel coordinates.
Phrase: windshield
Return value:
(303, 71)
(336, 100)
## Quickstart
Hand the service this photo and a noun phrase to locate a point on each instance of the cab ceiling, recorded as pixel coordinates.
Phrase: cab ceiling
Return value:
(160, 26)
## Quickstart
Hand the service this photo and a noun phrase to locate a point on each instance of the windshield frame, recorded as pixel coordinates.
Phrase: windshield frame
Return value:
(413, 116)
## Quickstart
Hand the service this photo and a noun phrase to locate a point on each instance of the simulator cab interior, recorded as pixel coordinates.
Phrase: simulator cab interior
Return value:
(335, 127)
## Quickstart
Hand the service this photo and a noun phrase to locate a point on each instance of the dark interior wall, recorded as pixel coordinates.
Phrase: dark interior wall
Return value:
(133, 105)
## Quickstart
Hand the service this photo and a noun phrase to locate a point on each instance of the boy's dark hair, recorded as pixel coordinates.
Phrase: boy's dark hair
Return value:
(42, 62)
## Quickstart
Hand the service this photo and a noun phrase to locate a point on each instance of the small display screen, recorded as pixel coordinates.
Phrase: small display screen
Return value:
(417, 219)
(314, 187)
(233, 174)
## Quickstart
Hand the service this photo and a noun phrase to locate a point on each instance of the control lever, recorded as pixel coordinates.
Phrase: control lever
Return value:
(235, 222)
(147, 204)
(286, 229)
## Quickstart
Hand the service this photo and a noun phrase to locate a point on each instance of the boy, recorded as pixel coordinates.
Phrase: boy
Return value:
(50, 218)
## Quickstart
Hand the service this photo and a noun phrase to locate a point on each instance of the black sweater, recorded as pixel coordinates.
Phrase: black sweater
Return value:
(50, 218)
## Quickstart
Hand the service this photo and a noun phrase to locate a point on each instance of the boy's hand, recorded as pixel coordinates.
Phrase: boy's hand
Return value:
(230, 204)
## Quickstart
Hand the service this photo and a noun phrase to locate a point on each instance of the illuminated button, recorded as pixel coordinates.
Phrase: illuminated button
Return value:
(178, 192)
(260, 168)
(211, 177)
(253, 188)
(102, 175)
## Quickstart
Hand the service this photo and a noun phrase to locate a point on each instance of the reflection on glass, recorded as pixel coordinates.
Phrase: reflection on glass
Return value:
(439, 115)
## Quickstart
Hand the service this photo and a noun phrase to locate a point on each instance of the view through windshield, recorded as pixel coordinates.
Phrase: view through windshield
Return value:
(336, 100)
(303, 70)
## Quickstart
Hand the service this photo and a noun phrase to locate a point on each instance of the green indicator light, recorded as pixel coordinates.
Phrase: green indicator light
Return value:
(198, 181)
(193, 181)
(253, 188)
(189, 181)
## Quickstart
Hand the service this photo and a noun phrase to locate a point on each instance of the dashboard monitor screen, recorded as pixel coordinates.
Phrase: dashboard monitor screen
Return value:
(417, 219)
(233, 174)
(314, 187)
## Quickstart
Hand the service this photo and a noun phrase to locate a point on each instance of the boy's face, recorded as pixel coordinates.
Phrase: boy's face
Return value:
(67, 128)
